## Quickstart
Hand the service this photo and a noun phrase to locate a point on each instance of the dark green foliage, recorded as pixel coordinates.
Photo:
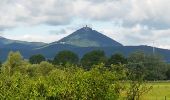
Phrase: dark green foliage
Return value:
(137, 75)
(50, 61)
(136, 62)
(116, 59)
(0, 64)
(64, 57)
(93, 58)
(168, 74)
(36, 59)
(156, 68)
(151, 66)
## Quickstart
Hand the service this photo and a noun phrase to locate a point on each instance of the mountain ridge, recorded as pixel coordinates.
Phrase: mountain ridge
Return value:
(49, 50)
(9, 43)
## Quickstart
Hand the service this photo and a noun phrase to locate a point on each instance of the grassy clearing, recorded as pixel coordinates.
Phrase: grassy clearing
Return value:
(158, 92)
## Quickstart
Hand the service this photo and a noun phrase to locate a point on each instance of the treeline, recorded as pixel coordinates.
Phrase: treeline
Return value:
(93, 77)
(153, 65)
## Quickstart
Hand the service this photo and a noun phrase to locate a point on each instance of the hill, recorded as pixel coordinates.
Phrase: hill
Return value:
(86, 37)
(15, 44)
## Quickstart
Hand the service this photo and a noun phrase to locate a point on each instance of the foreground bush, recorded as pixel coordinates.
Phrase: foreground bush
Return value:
(69, 83)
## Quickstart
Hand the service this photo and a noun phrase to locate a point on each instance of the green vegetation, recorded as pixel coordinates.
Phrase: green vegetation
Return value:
(93, 58)
(152, 65)
(0, 64)
(117, 59)
(66, 77)
(36, 59)
(64, 57)
(168, 74)
(160, 90)
(22, 80)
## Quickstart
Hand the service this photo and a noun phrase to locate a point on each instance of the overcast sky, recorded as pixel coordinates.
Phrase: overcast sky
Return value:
(130, 22)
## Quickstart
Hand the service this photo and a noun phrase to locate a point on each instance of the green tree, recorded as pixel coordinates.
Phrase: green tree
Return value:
(116, 59)
(156, 67)
(136, 65)
(44, 68)
(14, 61)
(64, 57)
(93, 58)
(0, 64)
(153, 66)
(137, 73)
(168, 74)
(36, 59)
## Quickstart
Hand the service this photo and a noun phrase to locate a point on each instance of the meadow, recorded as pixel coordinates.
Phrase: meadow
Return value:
(160, 91)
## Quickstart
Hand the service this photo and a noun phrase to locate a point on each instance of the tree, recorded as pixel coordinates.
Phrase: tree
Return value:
(44, 68)
(168, 74)
(0, 64)
(14, 61)
(116, 59)
(156, 67)
(36, 59)
(137, 71)
(93, 58)
(153, 66)
(64, 57)
(136, 65)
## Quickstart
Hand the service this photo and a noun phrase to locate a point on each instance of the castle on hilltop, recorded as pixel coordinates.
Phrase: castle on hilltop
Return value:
(87, 28)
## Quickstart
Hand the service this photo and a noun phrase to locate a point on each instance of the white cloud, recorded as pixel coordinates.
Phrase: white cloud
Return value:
(141, 21)
(153, 13)
(37, 38)
(30, 12)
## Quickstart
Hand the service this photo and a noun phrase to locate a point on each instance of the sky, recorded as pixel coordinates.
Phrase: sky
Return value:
(130, 22)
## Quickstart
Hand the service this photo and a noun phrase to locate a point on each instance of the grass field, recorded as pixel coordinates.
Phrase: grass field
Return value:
(160, 91)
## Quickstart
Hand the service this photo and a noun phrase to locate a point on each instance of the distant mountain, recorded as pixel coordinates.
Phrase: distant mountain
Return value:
(15, 44)
(86, 37)
(81, 41)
